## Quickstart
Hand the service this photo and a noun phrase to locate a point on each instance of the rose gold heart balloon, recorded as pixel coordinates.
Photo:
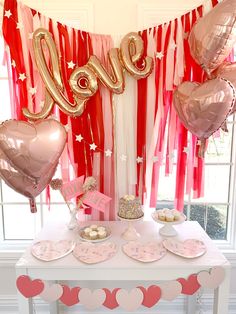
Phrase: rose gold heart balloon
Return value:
(213, 36)
(203, 108)
(227, 70)
(22, 183)
(32, 149)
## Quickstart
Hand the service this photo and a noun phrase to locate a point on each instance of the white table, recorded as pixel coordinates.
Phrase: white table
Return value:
(121, 267)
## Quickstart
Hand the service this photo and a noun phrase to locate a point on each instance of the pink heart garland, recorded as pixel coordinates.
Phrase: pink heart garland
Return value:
(110, 301)
(51, 293)
(129, 300)
(29, 288)
(212, 279)
(70, 295)
(203, 108)
(151, 295)
(170, 290)
(190, 285)
(92, 300)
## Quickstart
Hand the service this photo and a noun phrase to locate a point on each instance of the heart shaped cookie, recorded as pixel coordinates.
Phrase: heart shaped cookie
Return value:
(91, 253)
(203, 108)
(49, 250)
(144, 252)
(190, 248)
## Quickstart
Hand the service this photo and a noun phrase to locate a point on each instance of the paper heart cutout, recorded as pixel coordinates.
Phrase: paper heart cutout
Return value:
(212, 279)
(203, 108)
(151, 295)
(92, 299)
(145, 252)
(190, 285)
(51, 293)
(32, 149)
(110, 301)
(190, 248)
(170, 290)
(70, 295)
(91, 253)
(51, 250)
(29, 288)
(130, 301)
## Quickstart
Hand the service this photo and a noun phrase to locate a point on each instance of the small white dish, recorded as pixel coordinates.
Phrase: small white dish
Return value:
(83, 236)
(167, 230)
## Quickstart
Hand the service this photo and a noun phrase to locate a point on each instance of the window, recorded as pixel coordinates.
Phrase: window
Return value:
(17, 223)
(213, 211)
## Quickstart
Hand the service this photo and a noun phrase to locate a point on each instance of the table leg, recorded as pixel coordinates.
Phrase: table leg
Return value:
(54, 308)
(221, 295)
(191, 304)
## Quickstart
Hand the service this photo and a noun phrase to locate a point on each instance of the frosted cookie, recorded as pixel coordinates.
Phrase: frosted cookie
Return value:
(93, 227)
(87, 231)
(93, 235)
(102, 234)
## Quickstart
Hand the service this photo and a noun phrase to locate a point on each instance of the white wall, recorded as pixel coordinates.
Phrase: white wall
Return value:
(100, 16)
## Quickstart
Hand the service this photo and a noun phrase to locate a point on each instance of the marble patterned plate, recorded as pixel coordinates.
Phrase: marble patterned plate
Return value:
(47, 250)
(190, 248)
(91, 253)
(144, 252)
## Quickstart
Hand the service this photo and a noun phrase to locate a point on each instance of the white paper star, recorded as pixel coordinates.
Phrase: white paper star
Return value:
(108, 153)
(33, 90)
(186, 150)
(13, 63)
(155, 158)
(67, 127)
(30, 36)
(19, 25)
(22, 76)
(123, 157)
(93, 146)
(173, 45)
(139, 159)
(71, 65)
(159, 55)
(79, 138)
(7, 13)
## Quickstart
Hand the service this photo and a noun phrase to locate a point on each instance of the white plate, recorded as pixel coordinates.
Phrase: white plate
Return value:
(190, 248)
(91, 253)
(83, 237)
(176, 222)
(144, 252)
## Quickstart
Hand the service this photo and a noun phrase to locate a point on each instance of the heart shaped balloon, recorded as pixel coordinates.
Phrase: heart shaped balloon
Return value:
(22, 183)
(213, 36)
(203, 108)
(227, 70)
(32, 149)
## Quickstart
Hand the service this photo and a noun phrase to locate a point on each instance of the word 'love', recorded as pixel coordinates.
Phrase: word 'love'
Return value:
(83, 80)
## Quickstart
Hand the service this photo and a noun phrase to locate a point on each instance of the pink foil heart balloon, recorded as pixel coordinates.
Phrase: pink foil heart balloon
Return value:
(203, 108)
(213, 36)
(20, 182)
(32, 149)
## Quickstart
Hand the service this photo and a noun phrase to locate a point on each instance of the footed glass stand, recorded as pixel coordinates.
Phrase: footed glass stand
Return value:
(130, 234)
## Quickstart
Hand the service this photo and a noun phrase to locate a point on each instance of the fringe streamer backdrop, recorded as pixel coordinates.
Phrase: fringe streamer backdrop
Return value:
(136, 132)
